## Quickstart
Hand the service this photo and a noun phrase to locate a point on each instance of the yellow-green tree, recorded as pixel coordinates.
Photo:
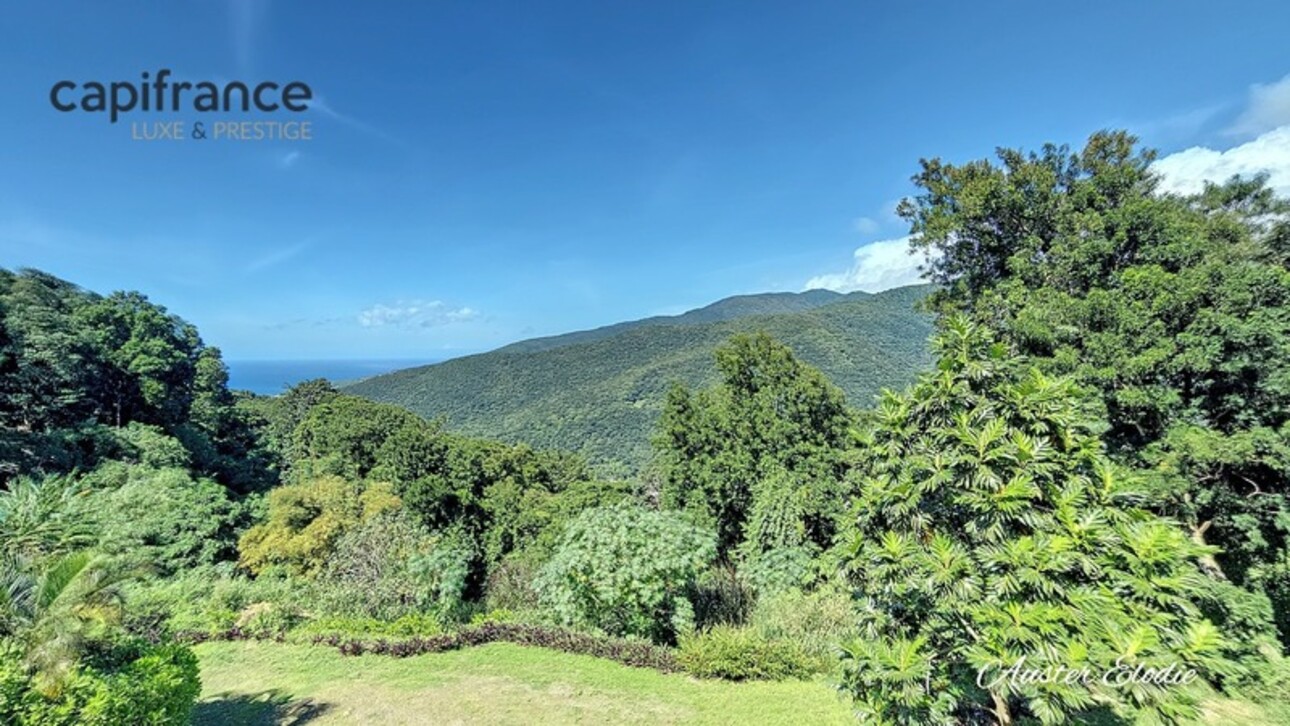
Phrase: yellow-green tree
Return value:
(305, 521)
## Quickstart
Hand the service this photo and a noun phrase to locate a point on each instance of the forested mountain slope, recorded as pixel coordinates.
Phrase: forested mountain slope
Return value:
(599, 392)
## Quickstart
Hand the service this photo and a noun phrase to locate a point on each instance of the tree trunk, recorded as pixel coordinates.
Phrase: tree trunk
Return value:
(1207, 562)
(1001, 711)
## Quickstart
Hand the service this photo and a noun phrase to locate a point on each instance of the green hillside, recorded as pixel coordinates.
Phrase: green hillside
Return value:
(738, 306)
(599, 392)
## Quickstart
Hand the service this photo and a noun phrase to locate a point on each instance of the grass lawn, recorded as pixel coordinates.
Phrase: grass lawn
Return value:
(500, 683)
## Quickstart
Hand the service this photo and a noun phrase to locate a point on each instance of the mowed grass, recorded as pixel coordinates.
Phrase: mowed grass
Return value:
(271, 683)
(500, 683)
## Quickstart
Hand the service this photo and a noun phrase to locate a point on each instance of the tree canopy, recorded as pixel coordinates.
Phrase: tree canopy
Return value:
(1174, 310)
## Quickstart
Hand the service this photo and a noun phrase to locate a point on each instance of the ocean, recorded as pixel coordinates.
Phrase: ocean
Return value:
(268, 377)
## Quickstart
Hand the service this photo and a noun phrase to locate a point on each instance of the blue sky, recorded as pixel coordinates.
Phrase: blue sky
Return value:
(482, 172)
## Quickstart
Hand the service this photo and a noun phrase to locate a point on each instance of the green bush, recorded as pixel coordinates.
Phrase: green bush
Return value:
(267, 619)
(721, 597)
(627, 570)
(389, 567)
(990, 528)
(510, 585)
(818, 621)
(155, 685)
(445, 571)
(205, 600)
(414, 624)
(779, 570)
(162, 517)
(151, 446)
(739, 654)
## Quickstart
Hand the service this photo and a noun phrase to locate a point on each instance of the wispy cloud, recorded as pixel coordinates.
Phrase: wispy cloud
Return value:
(415, 314)
(288, 160)
(866, 225)
(244, 23)
(1268, 108)
(276, 257)
(319, 104)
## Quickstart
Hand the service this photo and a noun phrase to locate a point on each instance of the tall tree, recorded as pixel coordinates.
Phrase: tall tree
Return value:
(150, 356)
(771, 433)
(1175, 310)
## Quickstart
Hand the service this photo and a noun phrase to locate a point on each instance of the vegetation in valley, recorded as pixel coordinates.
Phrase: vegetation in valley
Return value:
(1087, 472)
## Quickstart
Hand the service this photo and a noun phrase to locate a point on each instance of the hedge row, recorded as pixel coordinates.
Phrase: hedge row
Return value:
(639, 654)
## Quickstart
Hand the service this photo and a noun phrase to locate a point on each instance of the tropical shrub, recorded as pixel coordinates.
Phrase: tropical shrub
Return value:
(203, 600)
(151, 447)
(163, 518)
(721, 596)
(738, 654)
(626, 570)
(510, 585)
(51, 611)
(993, 529)
(774, 571)
(389, 567)
(370, 573)
(819, 622)
(134, 684)
(305, 521)
(40, 517)
(444, 572)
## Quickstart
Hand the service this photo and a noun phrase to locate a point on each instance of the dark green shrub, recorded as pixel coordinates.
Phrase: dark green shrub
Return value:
(163, 518)
(510, 585)
(721, 597)
(779, 570)
(739, 654)
(151, 446)
(987, 514)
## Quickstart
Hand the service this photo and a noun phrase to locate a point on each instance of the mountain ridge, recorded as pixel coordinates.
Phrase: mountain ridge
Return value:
(599, 391)
(727, 308)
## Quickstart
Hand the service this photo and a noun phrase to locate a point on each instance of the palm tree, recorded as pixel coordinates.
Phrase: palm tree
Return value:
(52, 611)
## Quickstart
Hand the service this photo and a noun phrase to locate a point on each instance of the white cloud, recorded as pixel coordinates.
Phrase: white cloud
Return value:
(878, 266)
(415, 314)
(1268, 109)
(1187, 171)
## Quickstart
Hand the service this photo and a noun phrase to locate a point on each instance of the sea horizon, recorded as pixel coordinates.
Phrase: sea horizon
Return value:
(268, 377)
